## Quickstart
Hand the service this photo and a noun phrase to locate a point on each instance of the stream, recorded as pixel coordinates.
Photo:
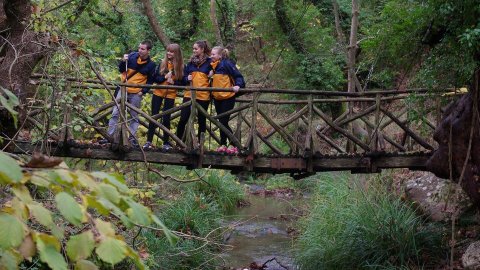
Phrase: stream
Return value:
(263, 234)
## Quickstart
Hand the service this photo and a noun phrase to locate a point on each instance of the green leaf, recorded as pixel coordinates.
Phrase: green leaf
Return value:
(85, 265)
(139, 213)
(65, 176)
(69, 208)
(40, 179)
(49, 247)
(80, 246)
(86, 180)
(41, 214)
(113, 179)
(10, 259)
(170, 236)
(112, 250)
(11, 231)
(22, 193)
(10, 172)
(9, 103)
(104, 228)
(109, 192)
(116, 210)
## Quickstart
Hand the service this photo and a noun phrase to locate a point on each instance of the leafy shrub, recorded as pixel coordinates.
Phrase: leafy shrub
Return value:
(351, 227)
(31, 227)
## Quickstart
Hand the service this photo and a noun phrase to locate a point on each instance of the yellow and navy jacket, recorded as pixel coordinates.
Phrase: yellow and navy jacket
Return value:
(199, 78)
(160, 79)
(226, 75)
(145, 72)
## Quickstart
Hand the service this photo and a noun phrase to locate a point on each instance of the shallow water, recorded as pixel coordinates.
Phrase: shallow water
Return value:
(261, 233)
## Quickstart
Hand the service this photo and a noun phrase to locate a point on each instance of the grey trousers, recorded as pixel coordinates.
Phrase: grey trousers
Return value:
(133, 122)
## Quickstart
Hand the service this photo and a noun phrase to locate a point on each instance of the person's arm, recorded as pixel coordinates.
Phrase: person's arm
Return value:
(235, 74)
(122, 66)
(150, 79)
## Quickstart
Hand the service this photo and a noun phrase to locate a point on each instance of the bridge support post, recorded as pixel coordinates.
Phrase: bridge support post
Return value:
(190, 137)
(252, 137)
(66, 134)
(120, 137)
(308, 150)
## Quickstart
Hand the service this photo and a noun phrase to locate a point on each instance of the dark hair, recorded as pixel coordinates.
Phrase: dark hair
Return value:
(204, 45)
(148, 43)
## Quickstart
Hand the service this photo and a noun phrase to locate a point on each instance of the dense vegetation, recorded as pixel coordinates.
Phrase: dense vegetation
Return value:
(47, 214)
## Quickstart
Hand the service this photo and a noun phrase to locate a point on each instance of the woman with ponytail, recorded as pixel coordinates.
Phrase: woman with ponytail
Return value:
(196, 72)
(225, 75)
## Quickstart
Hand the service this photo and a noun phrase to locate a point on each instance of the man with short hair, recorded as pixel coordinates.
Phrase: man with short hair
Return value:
(136, 68)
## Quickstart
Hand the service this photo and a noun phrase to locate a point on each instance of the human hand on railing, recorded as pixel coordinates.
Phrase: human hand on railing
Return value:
(190, 77)
(210, 74)
(125, 57)
(236, 88)
(170, 81)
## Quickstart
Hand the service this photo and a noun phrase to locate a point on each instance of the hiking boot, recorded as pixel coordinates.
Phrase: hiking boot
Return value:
(148, 146)
(103, 141)
(133, 142)
(166, 147)
(221, 149)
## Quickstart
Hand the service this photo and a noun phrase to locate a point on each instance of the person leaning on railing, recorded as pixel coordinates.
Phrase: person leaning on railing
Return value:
(196, 72)
(137, 68)
(225, 74)
(168, 72)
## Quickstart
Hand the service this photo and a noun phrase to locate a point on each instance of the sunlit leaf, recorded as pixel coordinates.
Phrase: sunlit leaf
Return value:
(104, 228)
(85, 265)
(112, 250)
(49, 247)
(69, 208)
(109, 192)
(80, 246)
(11, 231)
(22, 193)
(113, 179)
(41, 214)
(138, 213)
(10, 259)
(10, 171)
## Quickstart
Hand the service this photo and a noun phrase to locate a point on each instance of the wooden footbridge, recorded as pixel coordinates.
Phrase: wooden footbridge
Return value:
(277, 131)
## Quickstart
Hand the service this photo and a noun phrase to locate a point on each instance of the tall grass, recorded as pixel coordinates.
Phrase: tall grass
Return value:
(351, 227)
(197, 211)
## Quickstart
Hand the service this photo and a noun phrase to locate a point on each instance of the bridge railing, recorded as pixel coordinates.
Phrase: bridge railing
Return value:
(270, 121)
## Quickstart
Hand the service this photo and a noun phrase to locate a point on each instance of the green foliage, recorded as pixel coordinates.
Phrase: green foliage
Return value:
(353, 227)
(9, 101)
(221, 188)
(29, 227)
(193, 214)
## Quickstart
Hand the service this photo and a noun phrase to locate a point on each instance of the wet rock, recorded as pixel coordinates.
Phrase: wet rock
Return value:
(254, 230)
(273, 263)
(471, 257)
(431, 193)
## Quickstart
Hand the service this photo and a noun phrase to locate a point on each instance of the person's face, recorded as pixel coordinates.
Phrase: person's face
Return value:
(215, 55)
(197, 51)
(143, 51)
(170, 55)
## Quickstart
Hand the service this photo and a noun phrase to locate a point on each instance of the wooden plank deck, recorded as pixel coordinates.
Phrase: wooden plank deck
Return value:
(357, 163)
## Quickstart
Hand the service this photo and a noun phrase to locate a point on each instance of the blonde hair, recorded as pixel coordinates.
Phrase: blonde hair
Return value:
(177, 61)
(222, 51)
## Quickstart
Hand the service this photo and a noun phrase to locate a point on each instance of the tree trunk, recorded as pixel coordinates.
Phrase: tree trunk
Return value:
(458, 137)
(352, 50)
(148, 11)
(338, 27)
(288, 29)
(213, 17)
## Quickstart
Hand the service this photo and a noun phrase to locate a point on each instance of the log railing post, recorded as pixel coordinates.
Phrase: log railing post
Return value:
(308, 151)
(120, 137)
(190, 137)
(377, 122)
(252, 137)
(66, 131)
